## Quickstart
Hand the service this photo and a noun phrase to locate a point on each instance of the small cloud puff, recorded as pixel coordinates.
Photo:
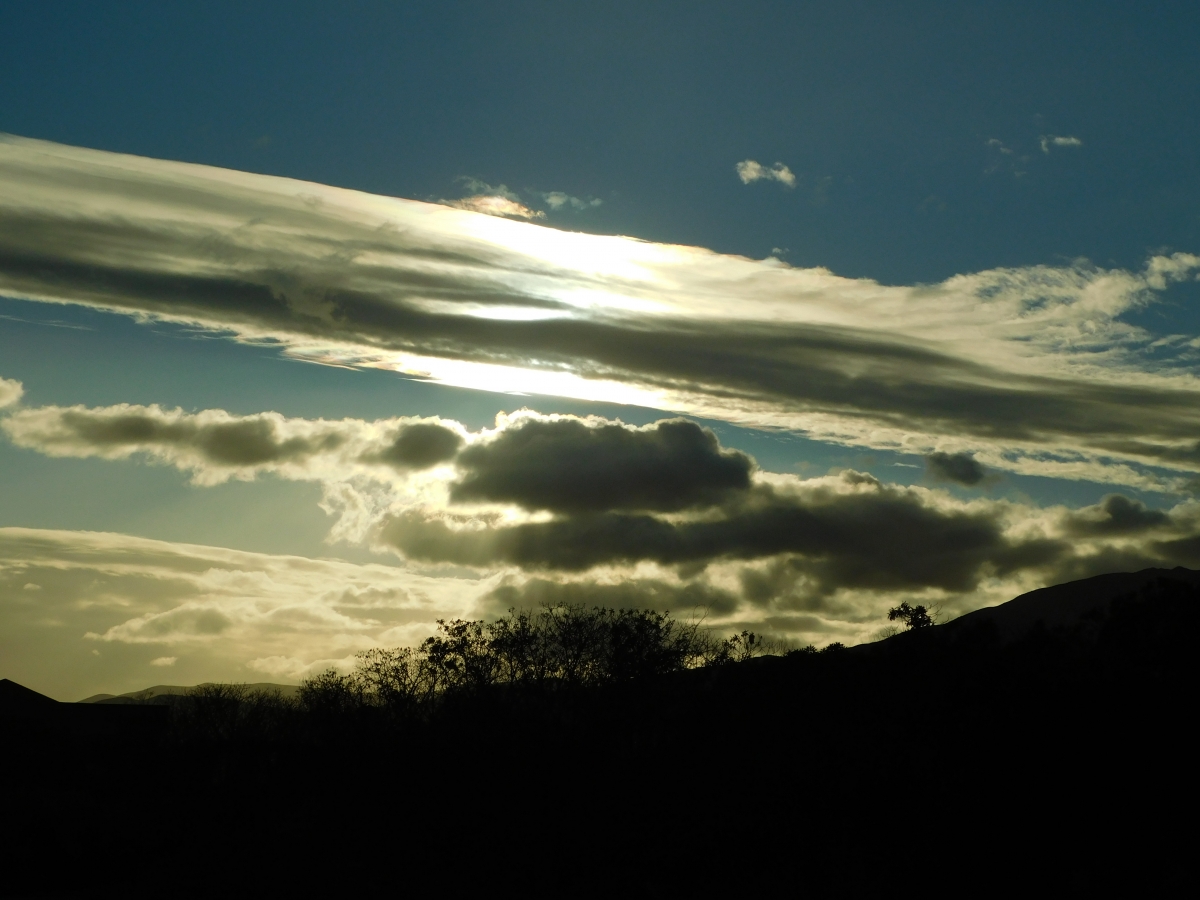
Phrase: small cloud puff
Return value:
(1055, 140)
(493, 201)
(10, 392)
(557, 200)
(496, 206)
(958, 468)
(164, 661)
(748, 170)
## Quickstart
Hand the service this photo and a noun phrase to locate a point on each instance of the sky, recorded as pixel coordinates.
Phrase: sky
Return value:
(321, 323)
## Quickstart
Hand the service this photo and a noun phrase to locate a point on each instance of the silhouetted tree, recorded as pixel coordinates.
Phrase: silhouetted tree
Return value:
(911, 616)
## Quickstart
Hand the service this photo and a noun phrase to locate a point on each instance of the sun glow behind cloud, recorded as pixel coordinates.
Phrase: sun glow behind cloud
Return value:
(1032, 369)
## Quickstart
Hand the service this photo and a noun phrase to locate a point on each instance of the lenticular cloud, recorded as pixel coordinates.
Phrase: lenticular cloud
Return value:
(1029, 370)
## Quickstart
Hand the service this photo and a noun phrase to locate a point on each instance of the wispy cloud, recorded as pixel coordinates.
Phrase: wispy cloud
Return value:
(1054, 140)
(748, 170)
(500, 200)
(1002, 157)
(1031, 369)
(492, 200)
(558, 200)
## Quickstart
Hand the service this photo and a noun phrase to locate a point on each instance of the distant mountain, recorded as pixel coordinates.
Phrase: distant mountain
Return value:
(1066, 606)
(176, 690)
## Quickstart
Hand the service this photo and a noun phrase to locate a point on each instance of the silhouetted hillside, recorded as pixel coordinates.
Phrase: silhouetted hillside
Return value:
(163, 693)
(1046, 739)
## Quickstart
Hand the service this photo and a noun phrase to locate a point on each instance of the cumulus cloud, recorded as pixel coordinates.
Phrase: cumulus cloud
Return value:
(420, 445)
(1118, 515)
(10, 392)
(566, 464)
(570, 496)
(1034, 368)
(959, 468)
(748, 170)
(1056, 140)
(536, 509)
(852, 532)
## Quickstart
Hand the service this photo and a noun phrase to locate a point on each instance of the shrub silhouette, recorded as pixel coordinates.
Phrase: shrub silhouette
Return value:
(557, 648)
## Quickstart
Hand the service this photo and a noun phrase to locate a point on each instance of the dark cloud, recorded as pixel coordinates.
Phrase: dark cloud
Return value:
(1116, 514)
(421, 445)
(882, 539)
(644, 593)
(960, 468)
(195, 622)
(245, 442)
(570, 466)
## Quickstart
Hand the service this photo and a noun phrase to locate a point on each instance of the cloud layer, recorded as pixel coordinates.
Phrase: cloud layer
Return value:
(1030, 370)
(82, 612)
(540, 507)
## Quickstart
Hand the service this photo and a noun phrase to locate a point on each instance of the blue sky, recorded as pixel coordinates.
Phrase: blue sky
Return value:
(984, 218)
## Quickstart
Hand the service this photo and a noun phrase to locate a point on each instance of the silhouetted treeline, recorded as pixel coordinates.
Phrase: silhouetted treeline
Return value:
(550, 747)
(548, 660)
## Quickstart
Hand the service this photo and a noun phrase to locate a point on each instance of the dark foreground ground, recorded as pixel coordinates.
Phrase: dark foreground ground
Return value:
(966, 758)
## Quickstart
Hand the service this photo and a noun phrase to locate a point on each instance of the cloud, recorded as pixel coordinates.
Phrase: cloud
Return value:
(1034, 368)
(492, 205)
(164, 661)
(213, 611)
(215, 445)
(959, 468)
(1055, 140)
(1003, 157)
(1117, 515)
(536, 509)
(557, 200)
(493, 200)
(566, 498)
(851, 532)
(748, 170)
(10, 392)
(570, 465)
(421, 445)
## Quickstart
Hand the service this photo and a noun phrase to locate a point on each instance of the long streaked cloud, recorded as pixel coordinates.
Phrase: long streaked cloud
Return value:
(1030, 370)
(215, 446)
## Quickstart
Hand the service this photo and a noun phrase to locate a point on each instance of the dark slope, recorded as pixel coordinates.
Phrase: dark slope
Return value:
(1046, 742)
(1066, 605)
